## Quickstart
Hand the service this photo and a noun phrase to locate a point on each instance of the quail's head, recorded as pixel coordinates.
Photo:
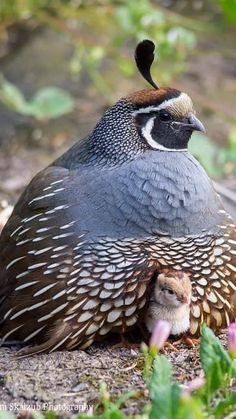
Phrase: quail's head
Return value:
(173, 289)
(165, 117)
(161, 119)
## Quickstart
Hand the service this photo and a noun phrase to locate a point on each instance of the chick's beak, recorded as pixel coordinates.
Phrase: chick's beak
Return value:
(195, 124)
(184, 299)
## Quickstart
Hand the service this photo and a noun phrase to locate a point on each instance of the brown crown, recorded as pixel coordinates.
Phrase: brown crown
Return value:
(152, 96)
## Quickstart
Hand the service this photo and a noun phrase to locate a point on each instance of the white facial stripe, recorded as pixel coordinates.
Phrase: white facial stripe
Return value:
(183, 97)
(146, 132)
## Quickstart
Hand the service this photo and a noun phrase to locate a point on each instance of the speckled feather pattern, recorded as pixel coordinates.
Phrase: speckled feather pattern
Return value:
(91, 231)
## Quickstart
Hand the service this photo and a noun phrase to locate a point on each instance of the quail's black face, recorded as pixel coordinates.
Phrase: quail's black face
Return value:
(166, 120)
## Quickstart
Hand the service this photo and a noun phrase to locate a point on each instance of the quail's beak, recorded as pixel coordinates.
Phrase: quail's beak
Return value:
(195, 124)
(191, 123)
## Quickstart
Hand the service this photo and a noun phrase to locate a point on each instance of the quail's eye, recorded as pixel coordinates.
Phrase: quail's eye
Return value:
(171, 292)
(164, 115)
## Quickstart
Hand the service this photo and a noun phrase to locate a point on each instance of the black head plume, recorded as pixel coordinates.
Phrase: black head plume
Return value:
(144, 56)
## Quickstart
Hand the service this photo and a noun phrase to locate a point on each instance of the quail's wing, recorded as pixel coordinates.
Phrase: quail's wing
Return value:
(58, 286)
(214, 281)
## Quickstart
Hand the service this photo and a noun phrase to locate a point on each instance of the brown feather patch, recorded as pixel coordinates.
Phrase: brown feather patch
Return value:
(152, 97)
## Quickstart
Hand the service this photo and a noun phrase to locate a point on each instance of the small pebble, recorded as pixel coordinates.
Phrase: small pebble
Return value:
(80, 387)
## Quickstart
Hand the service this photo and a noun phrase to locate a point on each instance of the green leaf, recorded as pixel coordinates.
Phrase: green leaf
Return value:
(162, 374)
(162, 370)
(211, 350)
(224, 406)
(190, 408)
(214, 380)
(12, 97)
(113, 414)
(163, 393)
(49, 415)
(232, 139)
(229, 10)
(216, 362)
(50, 102)
(165, 403)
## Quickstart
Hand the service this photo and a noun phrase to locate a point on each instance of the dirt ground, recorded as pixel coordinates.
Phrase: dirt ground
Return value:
(69, 381)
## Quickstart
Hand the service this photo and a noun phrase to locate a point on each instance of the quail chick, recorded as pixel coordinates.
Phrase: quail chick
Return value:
(171, 301)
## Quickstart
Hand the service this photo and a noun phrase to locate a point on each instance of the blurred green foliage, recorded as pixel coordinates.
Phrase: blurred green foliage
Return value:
(217, 161)
(229, 10)
(102, 34)
(104, 30)
(140, 20)
(47, 103)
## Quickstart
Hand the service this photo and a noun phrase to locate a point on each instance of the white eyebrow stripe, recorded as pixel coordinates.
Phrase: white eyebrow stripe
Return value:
(167, 103)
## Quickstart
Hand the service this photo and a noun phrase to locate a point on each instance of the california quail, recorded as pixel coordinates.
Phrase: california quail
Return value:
(170, 301)
(92, 230)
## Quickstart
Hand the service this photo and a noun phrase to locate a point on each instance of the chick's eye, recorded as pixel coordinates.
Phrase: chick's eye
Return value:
(170, 292)
(165, 115)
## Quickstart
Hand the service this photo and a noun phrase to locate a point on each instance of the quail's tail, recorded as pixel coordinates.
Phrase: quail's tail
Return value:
(228, 195)
(58, 339)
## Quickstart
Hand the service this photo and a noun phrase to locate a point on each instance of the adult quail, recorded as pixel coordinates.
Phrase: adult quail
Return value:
(170, 301)
(91, 231)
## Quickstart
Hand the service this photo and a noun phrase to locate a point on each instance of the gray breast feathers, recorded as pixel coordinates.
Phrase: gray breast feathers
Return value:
(160, 191)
